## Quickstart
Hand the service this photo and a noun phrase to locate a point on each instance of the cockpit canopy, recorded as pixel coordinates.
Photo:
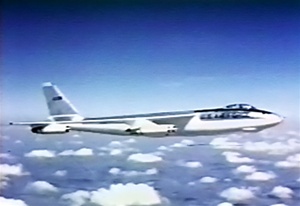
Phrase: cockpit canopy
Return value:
(240, 106)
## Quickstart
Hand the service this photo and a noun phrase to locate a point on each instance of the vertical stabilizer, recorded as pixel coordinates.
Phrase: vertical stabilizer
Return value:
(60, 108)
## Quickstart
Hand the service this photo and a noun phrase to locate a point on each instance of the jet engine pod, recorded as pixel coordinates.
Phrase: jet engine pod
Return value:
(51, 129)
(157, 130)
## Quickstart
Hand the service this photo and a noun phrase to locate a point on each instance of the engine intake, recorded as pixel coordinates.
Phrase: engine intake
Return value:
(51, 129)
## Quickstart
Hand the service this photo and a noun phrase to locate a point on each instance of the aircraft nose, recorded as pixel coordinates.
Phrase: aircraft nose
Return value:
(276, 118)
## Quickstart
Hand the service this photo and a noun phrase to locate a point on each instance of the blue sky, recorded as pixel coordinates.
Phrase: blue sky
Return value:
(145, 56)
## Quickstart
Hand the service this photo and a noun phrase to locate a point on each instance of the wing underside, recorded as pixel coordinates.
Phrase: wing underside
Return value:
(178, 119)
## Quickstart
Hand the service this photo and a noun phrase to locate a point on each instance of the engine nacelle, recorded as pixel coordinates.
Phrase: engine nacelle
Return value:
(155, 130)
(51, 129)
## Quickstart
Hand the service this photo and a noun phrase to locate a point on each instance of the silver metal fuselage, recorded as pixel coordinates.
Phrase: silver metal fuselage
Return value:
(187, 123)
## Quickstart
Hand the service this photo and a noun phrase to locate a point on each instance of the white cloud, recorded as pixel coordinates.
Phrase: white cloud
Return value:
(76, 135)
(164, 148)
(190, 164)
(144, 158)
(41, 154)
(3, 181)
(275, 148)
(118, 148)
(290, 162)
(227, 180)
(245, 169)
(11, 202)
(208, 179)
(41, 187)
(235, 157)
(229, 153)
(224, 143)
(294, 158)
(18, 142)
(225, 204)
(13, 170)
(117, 195)
(187, 142)
(105, 149)
(115, 152)
(177, 145)
(192, 183)
(183, 143)
(286, 164)
(9, 170)
(115, 144)
(115, 171)
(256, 146)
(130, 173)
(138, 173)
(152, 171)
(6, 156)
(80, 152)
(237, 195)
(282, 192)
(130, 141)
(260, 176)
(60, 173)
(126, 195)
(77, 198)
(280, 204)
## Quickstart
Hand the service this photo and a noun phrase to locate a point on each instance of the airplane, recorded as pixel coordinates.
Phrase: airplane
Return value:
(64, 118)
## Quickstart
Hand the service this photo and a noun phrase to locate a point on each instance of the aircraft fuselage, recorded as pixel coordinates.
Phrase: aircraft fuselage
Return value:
(186, 123)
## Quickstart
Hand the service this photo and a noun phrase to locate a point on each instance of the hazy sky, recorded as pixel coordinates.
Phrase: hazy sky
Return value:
(145, 56)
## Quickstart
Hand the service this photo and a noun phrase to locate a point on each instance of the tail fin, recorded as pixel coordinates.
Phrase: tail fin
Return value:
(60, 108)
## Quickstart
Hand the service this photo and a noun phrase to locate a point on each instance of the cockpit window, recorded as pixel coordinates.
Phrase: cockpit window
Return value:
(240, 106)
(232, 111)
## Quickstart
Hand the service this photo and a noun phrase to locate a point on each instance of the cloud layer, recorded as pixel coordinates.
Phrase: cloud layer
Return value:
(144, 158)
(41, 154)
(41, 188)
(282, 192)
(79, 152)
(11, 202)
(116, 195)
(131, 173)
(7, 171)
(237, 195)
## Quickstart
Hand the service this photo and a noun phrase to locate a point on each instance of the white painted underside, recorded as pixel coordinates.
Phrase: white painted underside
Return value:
(195, 126)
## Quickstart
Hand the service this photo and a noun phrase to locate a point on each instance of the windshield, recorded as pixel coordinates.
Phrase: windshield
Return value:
(240, 106)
